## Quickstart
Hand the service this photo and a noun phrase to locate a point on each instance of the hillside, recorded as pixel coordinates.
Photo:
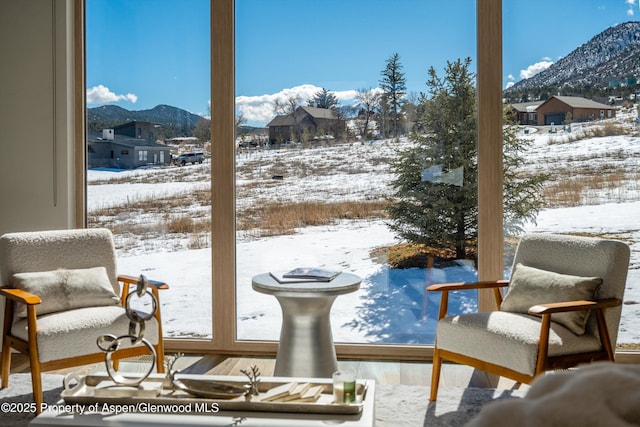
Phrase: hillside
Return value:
(173, 121)
(613, 55)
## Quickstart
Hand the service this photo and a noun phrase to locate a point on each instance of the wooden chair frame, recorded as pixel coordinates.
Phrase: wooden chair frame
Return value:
(544, 362)
(30, 347)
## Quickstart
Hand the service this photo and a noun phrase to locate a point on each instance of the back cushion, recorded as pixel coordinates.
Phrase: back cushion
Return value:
(62, 290)
(531, 286)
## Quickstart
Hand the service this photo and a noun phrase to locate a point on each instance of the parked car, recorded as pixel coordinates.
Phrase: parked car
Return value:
(193, 158)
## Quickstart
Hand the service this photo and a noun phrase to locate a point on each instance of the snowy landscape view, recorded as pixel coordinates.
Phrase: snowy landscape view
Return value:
(391, 305)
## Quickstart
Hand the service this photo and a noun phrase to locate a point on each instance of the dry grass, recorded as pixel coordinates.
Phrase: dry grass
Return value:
(409, 255)
(274, 219)
(186, 224)
(607, 129)
(189, 213)
(575, 188)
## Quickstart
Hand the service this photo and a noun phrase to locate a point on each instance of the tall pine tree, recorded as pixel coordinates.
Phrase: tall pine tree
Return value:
(435, 201)
(394, 88)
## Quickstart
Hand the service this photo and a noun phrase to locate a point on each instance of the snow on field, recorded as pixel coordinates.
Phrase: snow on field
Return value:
(390, 307)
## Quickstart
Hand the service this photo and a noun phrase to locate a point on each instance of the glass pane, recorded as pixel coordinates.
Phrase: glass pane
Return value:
(325, 109)
(148, 175)
(581, 136)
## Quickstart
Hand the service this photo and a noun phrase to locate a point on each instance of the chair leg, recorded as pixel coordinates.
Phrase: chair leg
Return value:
(160, 357)
(36, 381)
(34, 357)
(435, 375)
(5, 364)
(6, 361)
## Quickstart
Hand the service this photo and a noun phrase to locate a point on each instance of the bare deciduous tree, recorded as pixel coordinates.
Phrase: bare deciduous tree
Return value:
(283, 106)
(368, 101)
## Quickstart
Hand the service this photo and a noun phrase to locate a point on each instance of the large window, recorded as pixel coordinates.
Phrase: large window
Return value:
(318, 131)
(588, 156)
(148, 94)
(209, 228)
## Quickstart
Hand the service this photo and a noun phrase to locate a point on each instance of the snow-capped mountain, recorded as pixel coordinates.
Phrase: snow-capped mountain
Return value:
(611, 56)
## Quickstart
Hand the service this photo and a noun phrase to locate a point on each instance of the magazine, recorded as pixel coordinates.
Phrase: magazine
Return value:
(311, 273)
(305, 275)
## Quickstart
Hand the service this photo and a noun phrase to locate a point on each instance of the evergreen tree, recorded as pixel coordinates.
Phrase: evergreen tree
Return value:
(324, 99)
(394, 88)
(522, 193)
(436, 188)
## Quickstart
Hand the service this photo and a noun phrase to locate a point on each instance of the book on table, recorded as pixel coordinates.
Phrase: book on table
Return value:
(293, 392)
(305, 274)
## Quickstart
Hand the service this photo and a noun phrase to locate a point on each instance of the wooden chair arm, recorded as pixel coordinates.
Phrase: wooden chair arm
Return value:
(463, 286)
(565, 306)
(21, 296)
(133, 280)
(444, 288)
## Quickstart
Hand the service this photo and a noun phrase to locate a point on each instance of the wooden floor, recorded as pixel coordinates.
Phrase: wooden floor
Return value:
(383, 372)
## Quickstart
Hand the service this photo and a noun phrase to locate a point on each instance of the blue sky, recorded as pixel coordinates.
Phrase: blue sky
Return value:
(141, 53)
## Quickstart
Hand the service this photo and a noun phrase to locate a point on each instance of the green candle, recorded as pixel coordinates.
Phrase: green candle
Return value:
(349, 392)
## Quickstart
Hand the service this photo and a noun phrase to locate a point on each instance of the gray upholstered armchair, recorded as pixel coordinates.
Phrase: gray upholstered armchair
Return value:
(562, 308)
(62, 292)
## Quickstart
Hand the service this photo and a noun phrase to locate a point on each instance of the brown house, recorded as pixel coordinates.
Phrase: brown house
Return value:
(555, 109)
(524, 113)
(305, 124)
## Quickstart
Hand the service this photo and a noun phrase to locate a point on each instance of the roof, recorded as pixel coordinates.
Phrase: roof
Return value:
(320, 113)
(124, 140)
(134, 123)
(578, 102)
(525, 107)
(286, 120)
(316, 113)
(572, 101)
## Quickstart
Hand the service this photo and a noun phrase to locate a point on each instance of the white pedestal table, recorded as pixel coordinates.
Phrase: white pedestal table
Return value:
(306, 346)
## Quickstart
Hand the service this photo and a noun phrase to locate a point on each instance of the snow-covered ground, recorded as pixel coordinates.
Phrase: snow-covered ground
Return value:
(391, 305)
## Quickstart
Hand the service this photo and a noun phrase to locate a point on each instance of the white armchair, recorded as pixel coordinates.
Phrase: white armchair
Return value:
(562, 308)
(62, 292)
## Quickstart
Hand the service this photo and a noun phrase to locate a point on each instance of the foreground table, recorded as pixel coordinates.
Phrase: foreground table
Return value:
(306, 343)
(57, 416)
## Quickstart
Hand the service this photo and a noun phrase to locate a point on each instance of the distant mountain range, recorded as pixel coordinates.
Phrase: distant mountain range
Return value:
(608, 63)
(174, 121)
(611, 59)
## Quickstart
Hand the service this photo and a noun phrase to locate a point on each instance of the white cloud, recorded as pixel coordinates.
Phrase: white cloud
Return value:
(509, 85)
(258, 110)
(101, 95)
(510, 77)
(631, 4)
(534, 69)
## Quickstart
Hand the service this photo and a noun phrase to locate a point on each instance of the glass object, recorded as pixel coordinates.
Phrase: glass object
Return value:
(344, 386)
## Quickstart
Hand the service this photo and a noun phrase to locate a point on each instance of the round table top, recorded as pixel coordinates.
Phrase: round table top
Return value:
(343, 283)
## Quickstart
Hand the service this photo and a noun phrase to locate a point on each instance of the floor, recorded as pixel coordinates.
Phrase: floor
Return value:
(407, 373)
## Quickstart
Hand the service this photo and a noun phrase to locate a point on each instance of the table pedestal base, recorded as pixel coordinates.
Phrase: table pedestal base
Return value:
(306, 343)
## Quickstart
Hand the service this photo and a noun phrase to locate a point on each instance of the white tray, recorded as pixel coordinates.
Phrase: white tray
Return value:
(84, 392)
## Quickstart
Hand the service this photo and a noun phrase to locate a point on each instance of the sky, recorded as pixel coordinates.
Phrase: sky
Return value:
(142, 53)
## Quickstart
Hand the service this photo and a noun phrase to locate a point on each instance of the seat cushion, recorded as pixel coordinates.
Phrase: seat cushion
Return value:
(74, 333)
(66, 289)
(507, 339)
(530, 286)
